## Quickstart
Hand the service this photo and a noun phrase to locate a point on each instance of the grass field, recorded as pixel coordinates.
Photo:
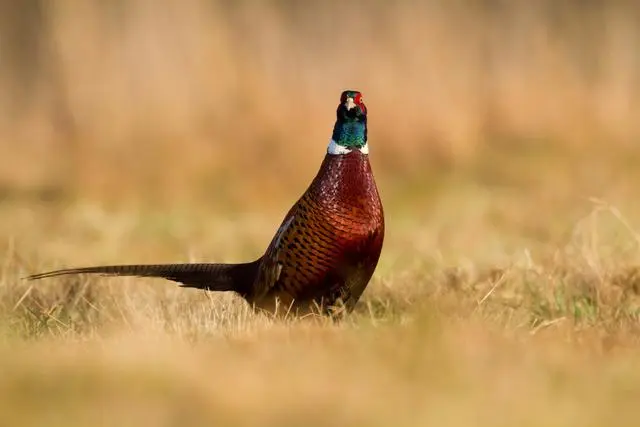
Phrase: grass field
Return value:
(504, 141)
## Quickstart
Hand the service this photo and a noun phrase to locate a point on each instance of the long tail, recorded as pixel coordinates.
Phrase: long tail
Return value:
(211, 277)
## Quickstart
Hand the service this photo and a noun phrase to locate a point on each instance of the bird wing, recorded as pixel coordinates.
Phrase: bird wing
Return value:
(304, 257)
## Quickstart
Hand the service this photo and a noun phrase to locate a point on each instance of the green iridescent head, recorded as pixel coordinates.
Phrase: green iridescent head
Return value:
(350, 130)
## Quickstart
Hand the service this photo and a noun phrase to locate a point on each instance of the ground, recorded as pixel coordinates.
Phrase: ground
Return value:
(478, 314)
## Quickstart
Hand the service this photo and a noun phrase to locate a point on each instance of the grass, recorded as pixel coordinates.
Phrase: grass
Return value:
(503, 138)
(507, 331)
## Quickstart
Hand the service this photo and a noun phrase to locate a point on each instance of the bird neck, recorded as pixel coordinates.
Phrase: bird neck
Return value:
(348, 136)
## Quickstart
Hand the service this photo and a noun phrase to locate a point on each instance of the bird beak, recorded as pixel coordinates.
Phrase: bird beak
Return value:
(349, 104)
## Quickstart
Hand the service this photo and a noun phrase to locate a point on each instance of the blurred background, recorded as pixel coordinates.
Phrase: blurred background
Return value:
(232, 102)
(504, 140)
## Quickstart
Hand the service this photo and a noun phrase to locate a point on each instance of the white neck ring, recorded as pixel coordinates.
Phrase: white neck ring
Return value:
(337, 149)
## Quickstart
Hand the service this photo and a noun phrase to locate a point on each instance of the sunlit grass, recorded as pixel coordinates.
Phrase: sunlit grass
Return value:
(503, 332)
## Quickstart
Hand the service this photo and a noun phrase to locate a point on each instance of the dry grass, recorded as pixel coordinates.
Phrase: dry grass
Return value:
(466, 325)
(503, 140)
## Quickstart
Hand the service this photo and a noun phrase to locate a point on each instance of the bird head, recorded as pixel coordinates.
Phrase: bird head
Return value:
(350, 130)
(352, 106)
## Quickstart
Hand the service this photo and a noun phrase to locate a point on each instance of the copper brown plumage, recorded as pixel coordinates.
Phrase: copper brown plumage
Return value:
(324, 253)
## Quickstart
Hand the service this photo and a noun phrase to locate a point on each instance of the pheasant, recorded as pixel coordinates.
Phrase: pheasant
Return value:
(326, 249)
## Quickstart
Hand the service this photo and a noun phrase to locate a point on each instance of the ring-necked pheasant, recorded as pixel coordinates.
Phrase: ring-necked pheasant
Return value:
(326, 249)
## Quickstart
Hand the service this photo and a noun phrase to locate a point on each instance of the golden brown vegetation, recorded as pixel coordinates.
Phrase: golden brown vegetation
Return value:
(503, 137)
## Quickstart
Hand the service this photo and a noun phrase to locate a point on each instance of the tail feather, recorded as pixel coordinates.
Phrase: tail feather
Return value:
(211, 277)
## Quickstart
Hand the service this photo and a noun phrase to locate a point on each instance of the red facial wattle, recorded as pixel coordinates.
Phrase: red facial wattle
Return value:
(360, 103)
